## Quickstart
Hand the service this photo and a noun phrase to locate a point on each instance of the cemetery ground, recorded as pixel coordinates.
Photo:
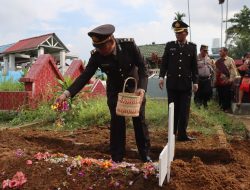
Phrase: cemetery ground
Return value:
(218, 159)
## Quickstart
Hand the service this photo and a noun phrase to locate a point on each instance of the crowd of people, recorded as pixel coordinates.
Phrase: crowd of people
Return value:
(120, 58)
(229, 80)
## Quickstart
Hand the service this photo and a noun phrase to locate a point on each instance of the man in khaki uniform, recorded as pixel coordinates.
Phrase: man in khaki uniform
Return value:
(205, 72)
(226, 72)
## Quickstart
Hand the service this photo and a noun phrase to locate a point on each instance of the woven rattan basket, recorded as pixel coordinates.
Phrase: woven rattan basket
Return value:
(128, 104)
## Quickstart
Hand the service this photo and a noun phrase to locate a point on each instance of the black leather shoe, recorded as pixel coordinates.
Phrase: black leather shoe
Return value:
(146, 159)
(187, 138)
(117, 160)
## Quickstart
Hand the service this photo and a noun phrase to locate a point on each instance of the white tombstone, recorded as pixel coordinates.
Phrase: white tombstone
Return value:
(167, 154)
(163, 165)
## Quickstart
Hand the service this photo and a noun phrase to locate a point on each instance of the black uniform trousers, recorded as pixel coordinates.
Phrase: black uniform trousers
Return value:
(224, 96)
(118, 131)
(204, 92)
(181, 101)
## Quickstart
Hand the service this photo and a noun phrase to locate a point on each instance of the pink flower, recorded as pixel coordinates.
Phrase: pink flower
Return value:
(40, 156)
(5, 183)
(13, 183)
(29, 162)
(65, 106)
(17, 181)
(19, 152)
(19, 178)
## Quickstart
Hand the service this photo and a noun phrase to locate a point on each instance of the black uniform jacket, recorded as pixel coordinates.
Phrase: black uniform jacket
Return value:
(180, 65)
(127, 62)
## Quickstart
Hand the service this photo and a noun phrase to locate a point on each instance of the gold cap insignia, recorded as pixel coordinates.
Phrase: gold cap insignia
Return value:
(177, 25)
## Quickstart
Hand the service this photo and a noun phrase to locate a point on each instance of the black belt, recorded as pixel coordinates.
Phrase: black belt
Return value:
(204, 78)
(179, 76)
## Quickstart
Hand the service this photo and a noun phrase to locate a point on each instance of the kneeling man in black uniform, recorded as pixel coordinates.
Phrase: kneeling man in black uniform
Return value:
(119, 59)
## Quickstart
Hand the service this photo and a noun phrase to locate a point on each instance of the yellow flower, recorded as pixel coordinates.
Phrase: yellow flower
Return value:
(55, 106)
(106, 164)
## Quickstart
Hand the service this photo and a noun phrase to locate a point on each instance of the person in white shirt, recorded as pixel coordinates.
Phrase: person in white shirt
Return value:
(206, 73)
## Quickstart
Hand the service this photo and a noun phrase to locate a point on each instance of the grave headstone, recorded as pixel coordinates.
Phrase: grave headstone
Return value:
(167, 154)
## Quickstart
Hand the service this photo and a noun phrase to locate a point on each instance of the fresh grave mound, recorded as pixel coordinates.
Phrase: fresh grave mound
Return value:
(198, 165)
(59, 171)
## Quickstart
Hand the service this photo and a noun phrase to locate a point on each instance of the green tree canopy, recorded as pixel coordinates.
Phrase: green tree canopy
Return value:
(238, 35)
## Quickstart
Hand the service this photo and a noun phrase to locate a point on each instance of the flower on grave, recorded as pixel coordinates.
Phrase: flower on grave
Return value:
(135, 169)
(148, 169)
(16, 182)
(58, 158)
(19, 152)
(5, 183)
(81, 174)
(40, 156)
(68, 170)
(29, 162)
(114, 184)
(87, 161)
(125, 164)
(106, 164)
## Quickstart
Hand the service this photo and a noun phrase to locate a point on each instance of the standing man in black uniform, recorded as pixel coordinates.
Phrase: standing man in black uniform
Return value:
(179, 63)
(119, 59)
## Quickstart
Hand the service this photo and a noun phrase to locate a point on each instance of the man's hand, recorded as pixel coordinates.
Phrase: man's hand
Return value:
(161, 83)
(140, 92)
(195, 87)
(63, 96)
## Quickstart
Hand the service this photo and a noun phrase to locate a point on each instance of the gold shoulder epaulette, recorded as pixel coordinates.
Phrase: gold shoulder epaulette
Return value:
(192, 43)
(93, 51)
(171, 42)
(126, 39)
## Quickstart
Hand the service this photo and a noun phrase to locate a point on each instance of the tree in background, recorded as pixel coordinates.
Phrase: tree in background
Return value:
(238, 35)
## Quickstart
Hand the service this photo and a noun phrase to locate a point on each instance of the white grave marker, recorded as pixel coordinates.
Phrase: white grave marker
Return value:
(167, 154)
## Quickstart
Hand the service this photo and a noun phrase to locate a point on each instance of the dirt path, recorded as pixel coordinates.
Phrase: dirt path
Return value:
(201, 164)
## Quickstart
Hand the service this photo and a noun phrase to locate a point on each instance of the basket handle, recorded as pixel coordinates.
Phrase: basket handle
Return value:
(126, 82)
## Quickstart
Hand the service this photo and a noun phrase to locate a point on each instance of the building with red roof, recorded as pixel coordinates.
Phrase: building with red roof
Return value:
(27, 50)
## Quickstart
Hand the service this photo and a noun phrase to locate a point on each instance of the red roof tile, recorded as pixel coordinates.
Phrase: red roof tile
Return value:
(29, 43)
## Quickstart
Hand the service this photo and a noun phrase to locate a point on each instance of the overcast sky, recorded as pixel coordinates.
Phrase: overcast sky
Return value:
(146, 21)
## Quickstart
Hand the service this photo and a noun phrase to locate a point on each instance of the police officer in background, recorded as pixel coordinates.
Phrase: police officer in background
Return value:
(119, 59)
(179, 63)
(206, 74)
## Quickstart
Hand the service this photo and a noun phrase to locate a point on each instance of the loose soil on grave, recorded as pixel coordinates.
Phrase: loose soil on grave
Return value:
(200, 164)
